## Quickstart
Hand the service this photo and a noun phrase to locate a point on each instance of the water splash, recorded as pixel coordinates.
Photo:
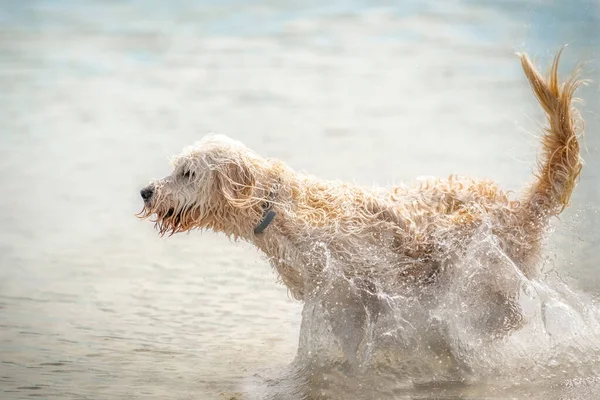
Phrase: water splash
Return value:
(359, 341)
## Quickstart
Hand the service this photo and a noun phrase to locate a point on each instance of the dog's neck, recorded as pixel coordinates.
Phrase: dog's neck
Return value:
(268, 215)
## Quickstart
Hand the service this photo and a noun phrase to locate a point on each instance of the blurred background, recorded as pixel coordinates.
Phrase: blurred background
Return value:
(96, 95)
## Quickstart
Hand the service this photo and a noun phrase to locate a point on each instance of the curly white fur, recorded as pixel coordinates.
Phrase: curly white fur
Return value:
(394, 238)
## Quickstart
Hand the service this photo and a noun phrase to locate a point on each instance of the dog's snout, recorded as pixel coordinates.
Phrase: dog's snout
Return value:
(147, 193)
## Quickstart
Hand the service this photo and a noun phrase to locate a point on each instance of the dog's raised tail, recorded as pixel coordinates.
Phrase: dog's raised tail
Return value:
(560, 163)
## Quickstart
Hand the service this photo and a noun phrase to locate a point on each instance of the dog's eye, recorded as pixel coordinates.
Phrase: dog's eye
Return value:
(187, 174)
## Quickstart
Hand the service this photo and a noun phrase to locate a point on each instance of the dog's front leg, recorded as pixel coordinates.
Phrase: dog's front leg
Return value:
(350, 308)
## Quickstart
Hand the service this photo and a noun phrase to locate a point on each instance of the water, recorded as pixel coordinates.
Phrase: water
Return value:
(95, 95)
(435, 340)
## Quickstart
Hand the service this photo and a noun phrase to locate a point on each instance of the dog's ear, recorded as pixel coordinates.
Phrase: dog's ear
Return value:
(237, 184)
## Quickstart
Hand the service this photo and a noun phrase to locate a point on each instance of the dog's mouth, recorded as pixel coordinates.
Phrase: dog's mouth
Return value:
(170, 222)
(165, 222)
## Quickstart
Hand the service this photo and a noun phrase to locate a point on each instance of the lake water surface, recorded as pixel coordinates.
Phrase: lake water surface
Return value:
(95, 95)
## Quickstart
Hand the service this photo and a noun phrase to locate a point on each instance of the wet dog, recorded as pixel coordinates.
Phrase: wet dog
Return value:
(390, 240)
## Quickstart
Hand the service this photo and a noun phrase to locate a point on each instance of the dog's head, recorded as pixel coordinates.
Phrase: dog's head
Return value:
(216, 184)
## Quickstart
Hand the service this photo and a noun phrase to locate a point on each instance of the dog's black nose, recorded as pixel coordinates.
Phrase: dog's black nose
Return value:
(147, 193)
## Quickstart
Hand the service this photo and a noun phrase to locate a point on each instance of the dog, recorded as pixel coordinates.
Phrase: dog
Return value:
(391, 239)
